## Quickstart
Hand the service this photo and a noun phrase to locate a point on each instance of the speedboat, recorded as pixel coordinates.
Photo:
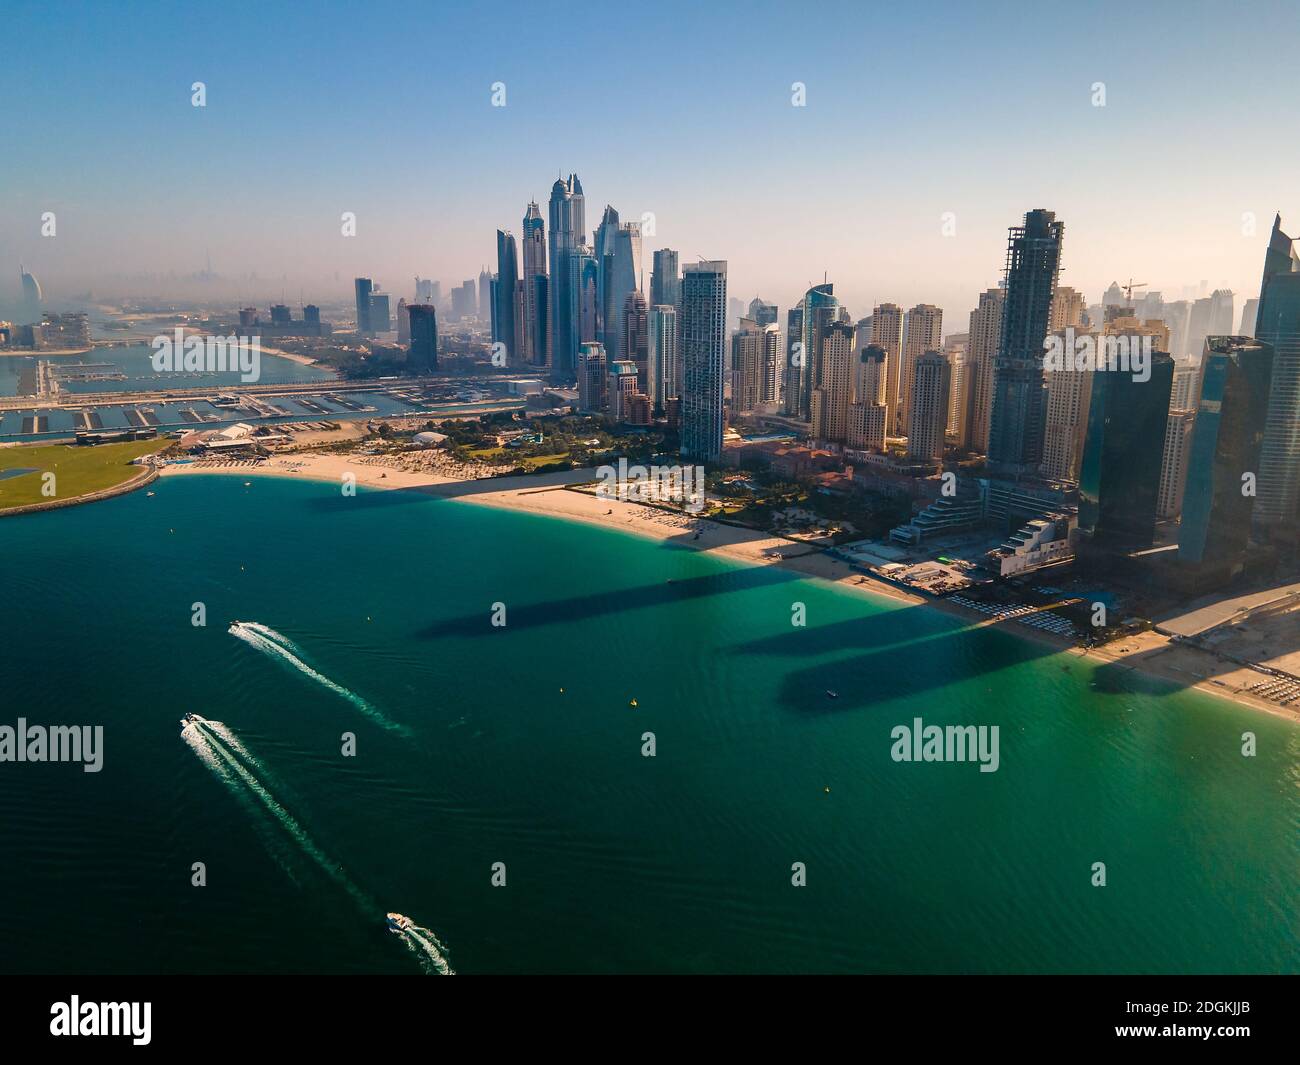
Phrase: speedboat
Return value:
(398, 922)
(832, 695)
(189, 719)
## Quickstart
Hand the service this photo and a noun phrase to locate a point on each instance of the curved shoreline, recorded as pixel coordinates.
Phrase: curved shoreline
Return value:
(146, 476)
(550, 495)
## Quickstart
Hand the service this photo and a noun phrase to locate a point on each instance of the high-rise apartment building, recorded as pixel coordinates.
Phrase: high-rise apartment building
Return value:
(1173, 463)
(703, 338)
(663, 355)
(887, 333)
(928, 407)
(834, 392)
(981, 354)
(535, 332)
(568, 226)
(922, 332)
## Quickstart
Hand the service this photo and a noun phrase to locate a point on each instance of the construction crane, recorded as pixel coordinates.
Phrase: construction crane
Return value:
(1128, 289)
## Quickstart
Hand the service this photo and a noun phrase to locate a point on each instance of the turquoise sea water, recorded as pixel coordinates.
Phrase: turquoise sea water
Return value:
(377, 616)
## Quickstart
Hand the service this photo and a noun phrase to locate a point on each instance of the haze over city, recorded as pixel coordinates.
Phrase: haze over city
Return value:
(909, 116)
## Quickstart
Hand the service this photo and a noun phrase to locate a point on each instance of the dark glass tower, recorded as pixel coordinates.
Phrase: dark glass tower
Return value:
(1019, 414)
(504, 293)
(1226, 441)
(423, 356)
(535, 304)
(363, 286)
(1278, 325)
(1120, 479)
(567, 228)
(821, 310)
(666, 280)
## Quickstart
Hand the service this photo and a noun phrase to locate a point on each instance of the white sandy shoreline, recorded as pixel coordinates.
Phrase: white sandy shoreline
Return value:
(547, 495)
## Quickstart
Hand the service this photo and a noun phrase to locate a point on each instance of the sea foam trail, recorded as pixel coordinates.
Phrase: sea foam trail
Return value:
(277, 645)
(428, 948)
(219, 749)
(204, 744)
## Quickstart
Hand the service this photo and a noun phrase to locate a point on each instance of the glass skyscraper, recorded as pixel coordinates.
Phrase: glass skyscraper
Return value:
(1278, 325)
(703, 339)
(1226, 441)
(1119, 482)
(567, 228)
(505, 296)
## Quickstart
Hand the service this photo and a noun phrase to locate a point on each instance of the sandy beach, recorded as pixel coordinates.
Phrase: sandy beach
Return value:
(1150, 653)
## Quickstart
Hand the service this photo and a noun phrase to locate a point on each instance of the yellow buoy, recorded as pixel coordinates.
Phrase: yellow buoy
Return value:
(632, 703)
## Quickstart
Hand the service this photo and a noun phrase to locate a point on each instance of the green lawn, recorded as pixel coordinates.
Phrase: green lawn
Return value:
(77, 470)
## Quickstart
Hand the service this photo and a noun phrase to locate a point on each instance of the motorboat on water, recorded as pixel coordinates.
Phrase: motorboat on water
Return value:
(189, 719)
(398, 922)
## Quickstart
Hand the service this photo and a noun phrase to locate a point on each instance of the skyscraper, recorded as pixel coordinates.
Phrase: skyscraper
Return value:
(867, 412)
(820, 310)
(663, 355)
(1278, 326)
(587, 271)
(535, 334)
(887, 333)
(1173, 463)
(1249, 313)
(363, 286)
(982, 352)
(381, 317)
(591, 376)
(834, 391)
(665, 279)
(1067, 309)
(31, 297)
(1019, 398)
(634, 340)
(761, 312)
(567, 228)
(928, 407)
(703, 337)
(1226, 442)
(793, 399)
(484, 294)
(922, 332)
(620, 276)
(505, 296)
(1119, 482)
(423, 356)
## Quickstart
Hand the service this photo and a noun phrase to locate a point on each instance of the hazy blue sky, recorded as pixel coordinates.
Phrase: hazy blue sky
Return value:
(913, 110)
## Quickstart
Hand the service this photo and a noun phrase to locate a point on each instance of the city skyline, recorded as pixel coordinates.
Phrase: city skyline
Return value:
(876, 231)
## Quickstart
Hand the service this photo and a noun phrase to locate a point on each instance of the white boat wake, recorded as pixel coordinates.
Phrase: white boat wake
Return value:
(225, 755)
(277, 645)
